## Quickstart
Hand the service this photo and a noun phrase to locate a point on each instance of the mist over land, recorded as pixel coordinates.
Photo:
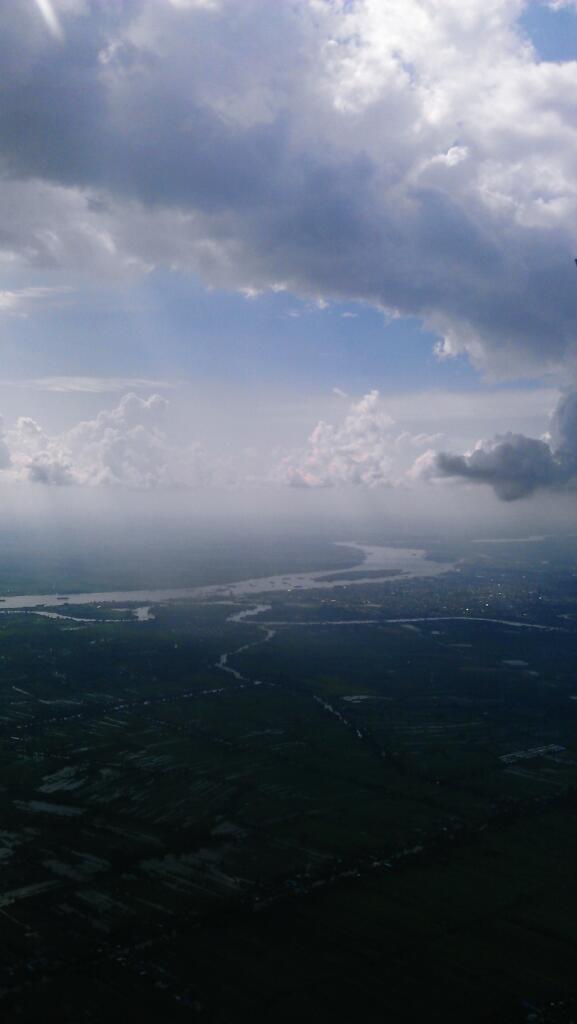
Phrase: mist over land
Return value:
(85, 541)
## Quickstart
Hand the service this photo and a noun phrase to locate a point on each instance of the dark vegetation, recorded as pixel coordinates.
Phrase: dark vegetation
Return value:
(339, 835)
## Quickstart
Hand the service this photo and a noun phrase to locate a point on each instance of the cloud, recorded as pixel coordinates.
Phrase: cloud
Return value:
(52, 23)
(516, 466)
(124, 447)
(4, 451)
(361, 451)
(513, 464)
(18, 302)
(414, 155)
(87, 385)
(206, 4)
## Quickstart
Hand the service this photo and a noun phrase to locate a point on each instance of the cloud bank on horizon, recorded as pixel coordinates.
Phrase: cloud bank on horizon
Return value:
(411, 154)
(128, 446)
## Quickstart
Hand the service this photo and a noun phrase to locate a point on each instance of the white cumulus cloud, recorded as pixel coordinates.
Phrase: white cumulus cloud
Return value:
(363, 450)
(124, 446)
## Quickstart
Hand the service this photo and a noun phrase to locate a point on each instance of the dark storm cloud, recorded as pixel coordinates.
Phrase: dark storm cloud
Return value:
(517, 466)
(359, 151)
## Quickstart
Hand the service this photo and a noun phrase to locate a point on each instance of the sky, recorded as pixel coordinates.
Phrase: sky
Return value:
(317, 248)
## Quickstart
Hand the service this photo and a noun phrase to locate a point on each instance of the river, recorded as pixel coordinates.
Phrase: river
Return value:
(397, 563)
